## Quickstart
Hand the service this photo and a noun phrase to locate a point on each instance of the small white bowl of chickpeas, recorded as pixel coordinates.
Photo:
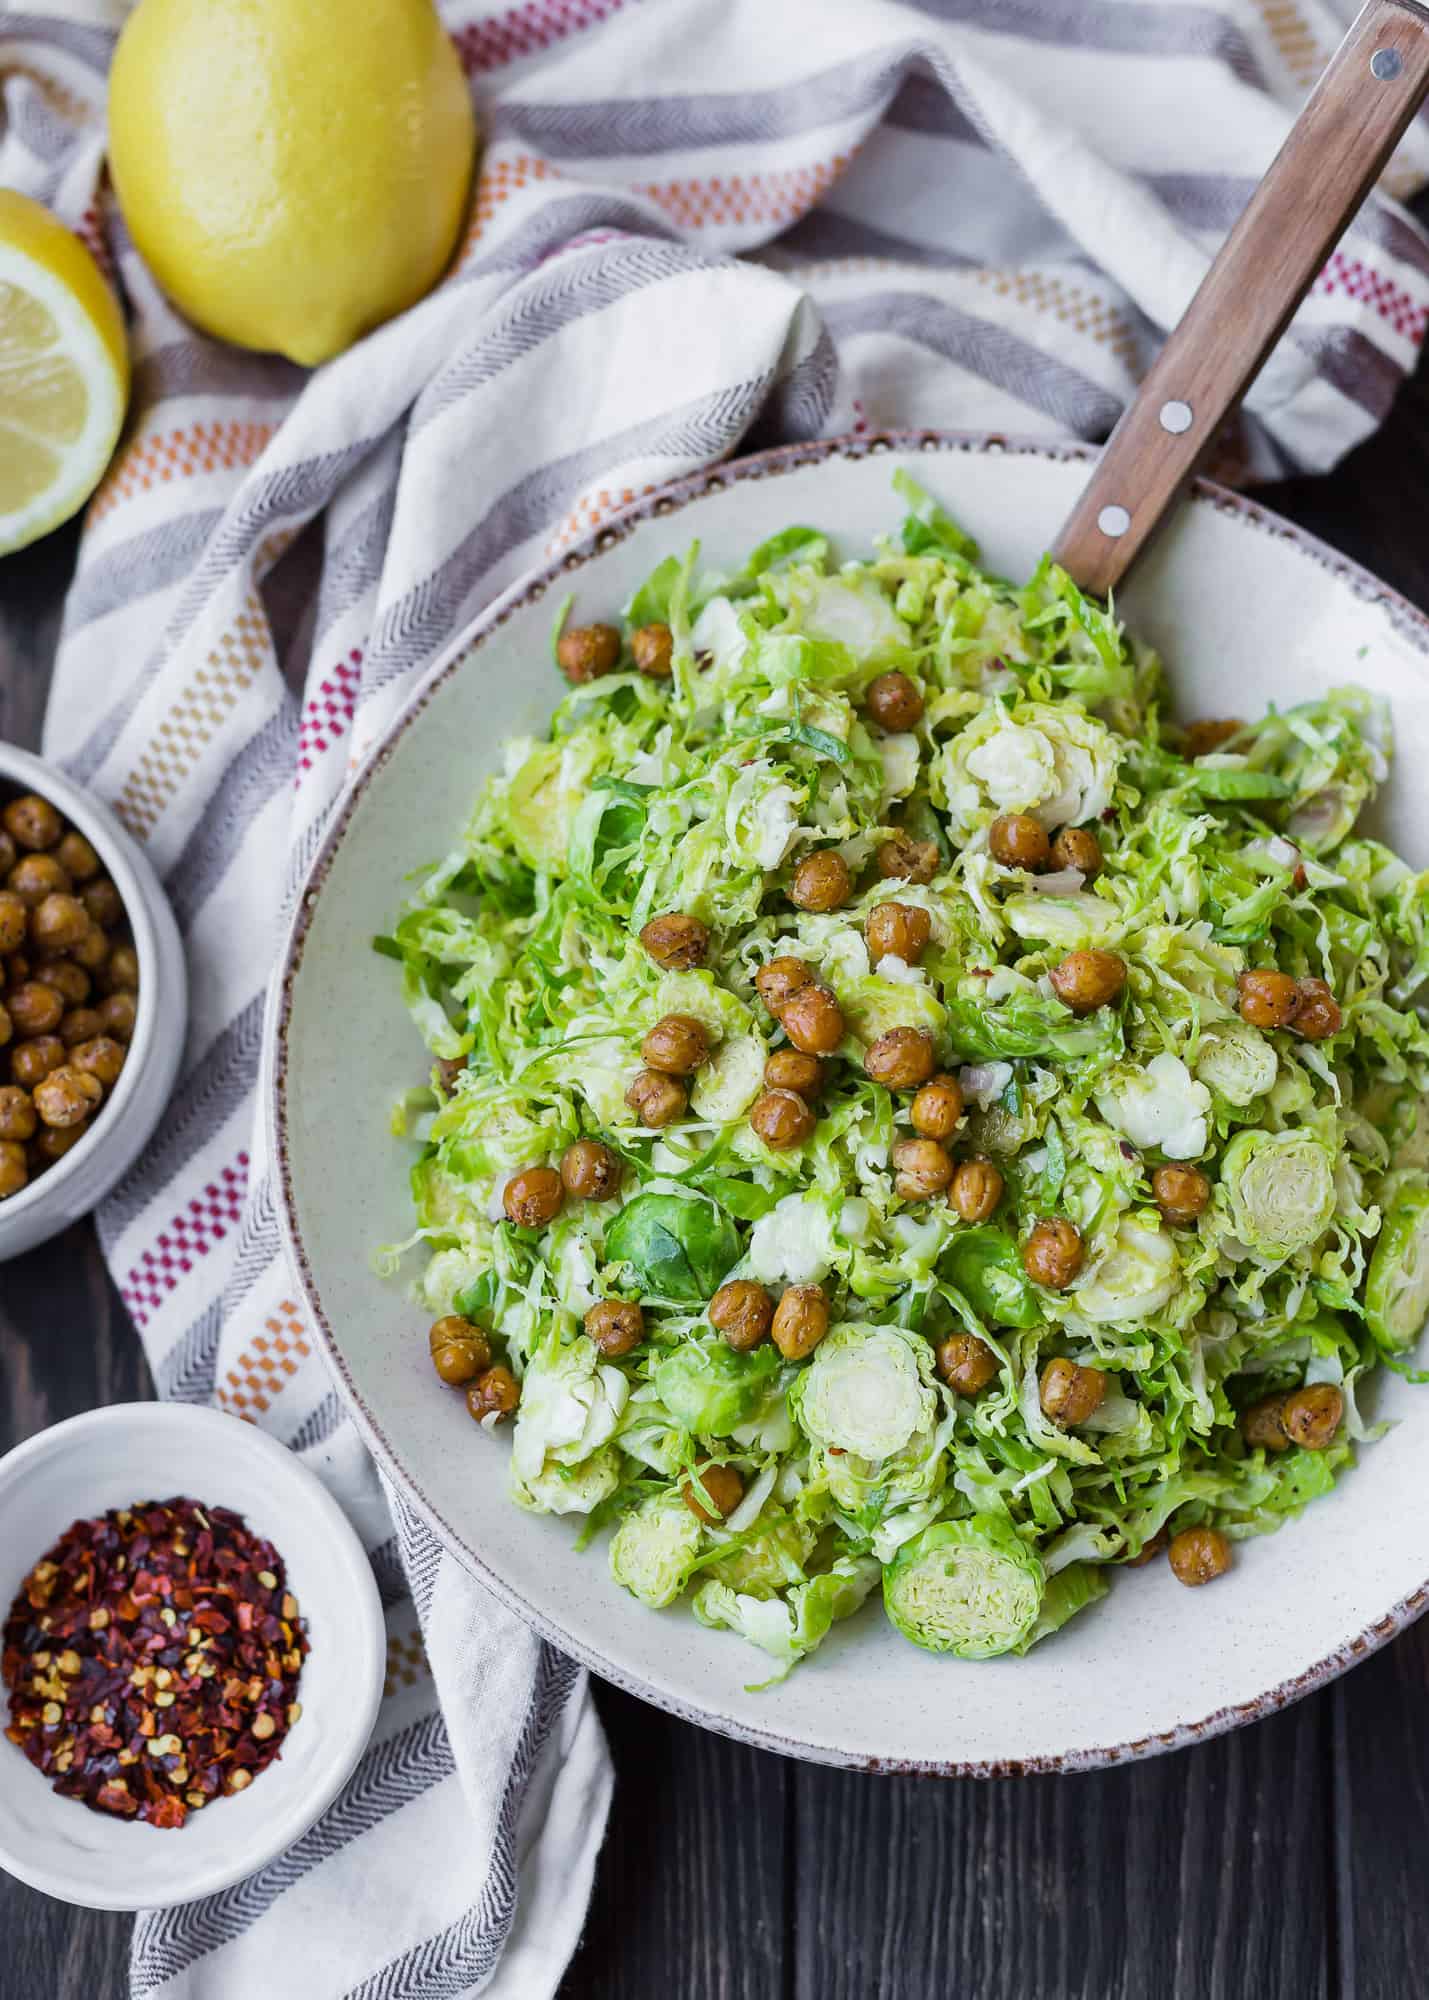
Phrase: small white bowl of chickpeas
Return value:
(93, 1001)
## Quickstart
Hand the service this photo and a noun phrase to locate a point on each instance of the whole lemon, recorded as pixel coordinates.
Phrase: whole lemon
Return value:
(292, 171)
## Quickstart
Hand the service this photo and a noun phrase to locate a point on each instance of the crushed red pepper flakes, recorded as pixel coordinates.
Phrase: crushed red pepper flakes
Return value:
(152, 1658)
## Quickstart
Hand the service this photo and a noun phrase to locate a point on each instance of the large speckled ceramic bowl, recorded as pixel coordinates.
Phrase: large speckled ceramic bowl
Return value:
(1246, 611)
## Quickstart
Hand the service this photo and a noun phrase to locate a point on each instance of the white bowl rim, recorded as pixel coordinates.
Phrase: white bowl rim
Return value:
(369, 1623)
(1406, 619)
(98, 827)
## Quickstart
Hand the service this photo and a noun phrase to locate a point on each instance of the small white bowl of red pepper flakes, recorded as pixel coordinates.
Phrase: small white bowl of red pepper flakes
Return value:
(193, 1654)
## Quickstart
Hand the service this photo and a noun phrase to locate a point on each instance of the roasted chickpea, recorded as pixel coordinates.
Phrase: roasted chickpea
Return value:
(616, 1326)
(1208, 735)
(17, 969)
(1199, 1555)
(17, 1113)
(937, 1107)
(14, 921)
(585, 652)
(900, 858)
(781, 1118)
(801, 1319)
(69, 980)
(459, 1349)
(791, 1069)
(80, 1024)
(779, 980)
(741, 1311)
(821, 881)
(1086, 980)
(901, 1059)
(1148, 1552)
(36, 876)
(1069, 1393)
(101, 901)
(1311, 1415)
(494, 1393)
(450, 1069)
(652, 648)
(676, 942)
(976, 1189)
(1019, 841)
(99, 1057)
(897, 930)
(590, 1170)
(67, 1095)
(1077, 847)
(656, 1099)
(532, 1197)
(921, 1169)
(1053, 1253)
(121, 971)
(1317, 1012)
(1181, 1194)
(677, 1044)
(713, 1492)
(118, 1013)
(813, 1020)
(92, 951)
(894, 702)
(32, 822)
(52, 1142)
(58, 923)
(33, 1061)
(1267, 999)
(966, 1363)
(1261, 1427)
(7, 1026)
(35, 1009)
(14, 1168)
(77, 857)
(8, 852)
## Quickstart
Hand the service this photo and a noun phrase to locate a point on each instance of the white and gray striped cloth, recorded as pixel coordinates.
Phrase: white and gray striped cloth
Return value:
(700, 225)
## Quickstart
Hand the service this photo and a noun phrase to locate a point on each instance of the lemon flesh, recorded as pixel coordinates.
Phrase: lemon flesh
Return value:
(293, 174)
(64, 372)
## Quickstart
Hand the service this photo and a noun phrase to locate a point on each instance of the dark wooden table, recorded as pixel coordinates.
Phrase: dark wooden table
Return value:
(1285, 1861)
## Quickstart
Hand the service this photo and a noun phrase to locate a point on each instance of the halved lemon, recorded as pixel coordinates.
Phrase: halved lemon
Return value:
(64, 372)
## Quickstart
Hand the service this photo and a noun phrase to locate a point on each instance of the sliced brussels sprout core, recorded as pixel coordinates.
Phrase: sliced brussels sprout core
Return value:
(1281, 1188)
(1237, 1062)
(867, 1390)
(1397, 1289)
(966, 1587)
(652, 1550)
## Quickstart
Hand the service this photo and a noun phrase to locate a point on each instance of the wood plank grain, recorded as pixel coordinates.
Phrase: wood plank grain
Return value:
(66, 1345)
(691, 1894)
(1175, 1878)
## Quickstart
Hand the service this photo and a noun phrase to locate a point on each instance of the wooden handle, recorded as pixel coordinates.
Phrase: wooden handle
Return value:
(1331, 158)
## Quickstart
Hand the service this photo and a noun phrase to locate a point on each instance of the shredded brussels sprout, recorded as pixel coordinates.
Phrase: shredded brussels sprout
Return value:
(1172, 1006)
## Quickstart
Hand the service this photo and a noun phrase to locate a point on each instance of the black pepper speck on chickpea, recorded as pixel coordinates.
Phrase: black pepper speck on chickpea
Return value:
(791, 1069)
(813, 1021)
(779, 980)
(900, 858)
(897, 930)
(901, 1059)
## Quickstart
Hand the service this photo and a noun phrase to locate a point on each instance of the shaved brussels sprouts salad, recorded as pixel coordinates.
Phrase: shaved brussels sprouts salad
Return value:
(906, 1116)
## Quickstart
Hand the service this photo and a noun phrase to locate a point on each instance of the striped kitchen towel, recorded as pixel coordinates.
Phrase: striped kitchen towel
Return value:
(699, 225)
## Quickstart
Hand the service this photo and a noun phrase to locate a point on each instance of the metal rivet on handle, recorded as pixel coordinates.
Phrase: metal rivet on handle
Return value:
(1176, 417)
(1113, 521)
(1386, 64)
